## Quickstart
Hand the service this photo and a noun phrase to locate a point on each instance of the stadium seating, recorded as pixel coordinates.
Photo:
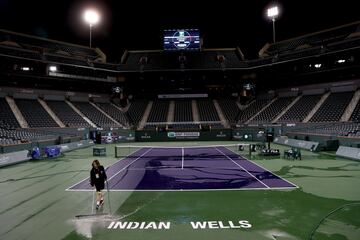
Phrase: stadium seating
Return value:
(94, 114)
(230, 109)
(274, 109)
(7, 118)
(334, 129)
(136, 111)
(35, 115)
(207, 111)
(11, 137)
(66, 114)
(355, 116)
(252, 109)
(159, 111)
(43, 45)
(114, 113)
(183, 111)
(310, 42)
(300, 109)
(333, 107)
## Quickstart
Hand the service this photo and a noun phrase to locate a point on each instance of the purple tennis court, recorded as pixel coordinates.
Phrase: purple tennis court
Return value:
(188, 168)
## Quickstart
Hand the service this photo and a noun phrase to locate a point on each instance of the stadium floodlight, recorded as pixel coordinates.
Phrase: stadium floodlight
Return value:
(341, 61)
(273, 13)
(53, 68)
(26, 69)
(92, 17)
(317, 65)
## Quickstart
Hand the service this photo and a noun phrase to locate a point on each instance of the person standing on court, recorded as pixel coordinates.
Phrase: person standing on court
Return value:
(97, 179)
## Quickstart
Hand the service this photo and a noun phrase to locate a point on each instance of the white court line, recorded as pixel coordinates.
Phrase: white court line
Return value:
(182, 158)
(241, 167)
(186, 190)
(129, 164)
(264, 169)
(69, 188)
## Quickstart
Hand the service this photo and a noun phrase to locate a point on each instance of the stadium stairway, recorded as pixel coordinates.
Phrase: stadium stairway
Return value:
(267, 105)
(107, 115)
(195, 111)
(351, 107)
(170, 115)
(145, 116)
(286, 109)
(18, 115)
(219, 111)
(123, 110)
(242, 107)
(317, 106)
(51, 113)
(81, 114)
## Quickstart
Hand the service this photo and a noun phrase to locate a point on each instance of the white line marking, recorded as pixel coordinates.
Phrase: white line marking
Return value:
(241, 167)
(185, 190)
(264, 169)
(129, 164)
(182, 158)
(69, 188)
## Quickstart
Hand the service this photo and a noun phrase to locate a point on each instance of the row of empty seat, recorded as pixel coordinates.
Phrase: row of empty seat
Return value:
(101, 114)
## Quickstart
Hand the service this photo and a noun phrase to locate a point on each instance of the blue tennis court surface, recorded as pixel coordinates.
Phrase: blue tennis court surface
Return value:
(188, 168)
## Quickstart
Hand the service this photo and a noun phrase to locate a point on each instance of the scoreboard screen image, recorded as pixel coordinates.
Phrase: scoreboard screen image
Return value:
(181, 39)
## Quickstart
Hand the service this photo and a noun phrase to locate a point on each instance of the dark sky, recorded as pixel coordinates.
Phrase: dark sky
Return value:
(138, 24)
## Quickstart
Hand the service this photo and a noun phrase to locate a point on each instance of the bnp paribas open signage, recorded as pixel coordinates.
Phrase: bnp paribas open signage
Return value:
(184, 135)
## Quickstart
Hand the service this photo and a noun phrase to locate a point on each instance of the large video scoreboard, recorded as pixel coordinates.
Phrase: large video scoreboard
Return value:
(181, 39)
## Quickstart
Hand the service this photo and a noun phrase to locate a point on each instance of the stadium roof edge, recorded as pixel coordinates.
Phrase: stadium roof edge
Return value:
(318, 32)
(48, 39)
(202, 50)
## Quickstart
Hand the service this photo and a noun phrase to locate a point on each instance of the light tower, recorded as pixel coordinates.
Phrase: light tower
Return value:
(273, 13)
(92, 17)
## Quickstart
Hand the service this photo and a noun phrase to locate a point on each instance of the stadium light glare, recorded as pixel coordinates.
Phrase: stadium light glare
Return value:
(317, 65)
(273, 13)
(91, 17)
(25, 69)
(341, 61)
(53, 68)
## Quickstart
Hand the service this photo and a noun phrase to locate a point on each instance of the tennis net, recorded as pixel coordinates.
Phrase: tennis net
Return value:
(200, 151)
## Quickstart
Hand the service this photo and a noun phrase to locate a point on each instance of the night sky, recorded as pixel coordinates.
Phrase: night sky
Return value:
(138, 25)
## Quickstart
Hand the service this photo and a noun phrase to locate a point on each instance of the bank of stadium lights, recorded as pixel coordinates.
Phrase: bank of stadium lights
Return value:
(273, 13)
(92, 17)
(25, 69)
(341, 61)
(53, 68)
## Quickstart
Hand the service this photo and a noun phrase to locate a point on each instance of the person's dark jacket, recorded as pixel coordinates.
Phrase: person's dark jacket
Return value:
(98, 177)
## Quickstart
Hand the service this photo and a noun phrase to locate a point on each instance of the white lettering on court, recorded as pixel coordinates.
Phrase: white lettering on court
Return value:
(166, 225)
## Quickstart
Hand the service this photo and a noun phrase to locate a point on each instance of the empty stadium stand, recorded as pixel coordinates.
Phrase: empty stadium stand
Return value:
(7, 118)
(183, 111)
(159, 111)
(34, 113)
(252, 109)
(271, 111)
(300, 109)
(114, 113)
(348, 129)
(93, 114)
(136, 111)
(66, 114)
(230, 109)
(333, 107)
(207, 111)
